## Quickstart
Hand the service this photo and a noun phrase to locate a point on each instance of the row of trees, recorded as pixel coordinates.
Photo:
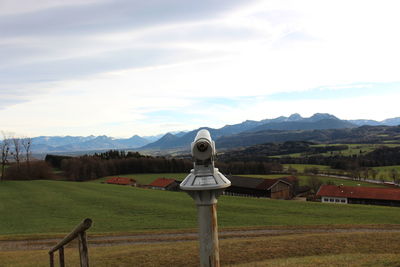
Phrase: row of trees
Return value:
(93, 167)
(113, 162)
(15, 149)
(35, 170)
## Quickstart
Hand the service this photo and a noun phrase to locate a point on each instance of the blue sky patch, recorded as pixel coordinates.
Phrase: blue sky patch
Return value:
(337, 92)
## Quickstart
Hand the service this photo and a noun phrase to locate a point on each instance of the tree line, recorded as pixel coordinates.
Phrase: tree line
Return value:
(92, 167)
(113, 162)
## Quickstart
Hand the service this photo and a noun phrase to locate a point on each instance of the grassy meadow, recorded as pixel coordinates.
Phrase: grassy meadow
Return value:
(301, 167)
(385, 172)
(50, 207)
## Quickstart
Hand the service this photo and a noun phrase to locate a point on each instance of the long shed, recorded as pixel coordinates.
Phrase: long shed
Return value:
(359, 195)
(121, 181)
(259, 187)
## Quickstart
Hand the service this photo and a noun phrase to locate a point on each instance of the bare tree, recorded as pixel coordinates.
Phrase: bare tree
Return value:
(26, 143)
(366, 172)
(17, 150)
(374, 173)
(311, 170)
(5, 150)
(292, 170)
(314, 183)
(394, 174)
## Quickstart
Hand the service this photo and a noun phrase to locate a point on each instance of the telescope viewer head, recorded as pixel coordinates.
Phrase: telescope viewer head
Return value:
(203, 147)
(204, 176)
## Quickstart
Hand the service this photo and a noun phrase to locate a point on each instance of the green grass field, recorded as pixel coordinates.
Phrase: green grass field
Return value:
(387, 168)
(385, 172)
(355, 149)
(300, 167)
(47, 207)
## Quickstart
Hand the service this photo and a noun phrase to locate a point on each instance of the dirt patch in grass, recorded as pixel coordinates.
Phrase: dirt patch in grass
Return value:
(320, 249)
(38, 242)
(172, 232)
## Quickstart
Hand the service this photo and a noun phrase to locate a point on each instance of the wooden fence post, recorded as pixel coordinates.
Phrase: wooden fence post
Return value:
(51, 259)
(80, 233)
(61, 256)
(83, 250)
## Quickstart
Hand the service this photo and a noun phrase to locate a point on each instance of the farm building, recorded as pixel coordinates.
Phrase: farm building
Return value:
(165, 184)
(359, 195)
(121, 181)
(258, 187)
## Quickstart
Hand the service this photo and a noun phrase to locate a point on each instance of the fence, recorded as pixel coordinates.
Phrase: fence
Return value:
(80, 233)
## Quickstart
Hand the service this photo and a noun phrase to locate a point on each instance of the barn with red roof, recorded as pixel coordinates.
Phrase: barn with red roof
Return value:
(121, 181)
(359, 195)
(165, 184)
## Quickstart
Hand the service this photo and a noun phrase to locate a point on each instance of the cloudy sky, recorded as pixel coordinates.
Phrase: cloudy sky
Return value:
(125, 67)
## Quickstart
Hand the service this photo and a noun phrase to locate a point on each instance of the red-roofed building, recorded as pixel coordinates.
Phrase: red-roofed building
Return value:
(121, 181)
(164, 184)
(359, 195)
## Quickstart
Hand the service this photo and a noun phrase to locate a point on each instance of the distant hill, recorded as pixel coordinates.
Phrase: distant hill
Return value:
(305, 125)
(55, 141)
(171, 141)
(365, 122)
(387, 122)
(45, 144)
(134, 141)
(167, 140)
(391, 122)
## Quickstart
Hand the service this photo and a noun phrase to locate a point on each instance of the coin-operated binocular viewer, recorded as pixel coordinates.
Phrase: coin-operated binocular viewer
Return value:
(205, 184)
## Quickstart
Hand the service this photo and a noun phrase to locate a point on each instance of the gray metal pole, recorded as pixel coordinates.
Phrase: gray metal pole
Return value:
(208, 234)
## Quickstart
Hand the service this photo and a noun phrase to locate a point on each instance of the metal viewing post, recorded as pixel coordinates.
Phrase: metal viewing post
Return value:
(205, 184)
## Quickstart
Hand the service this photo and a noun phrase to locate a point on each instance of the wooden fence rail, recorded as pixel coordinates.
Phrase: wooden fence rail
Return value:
(80, 233)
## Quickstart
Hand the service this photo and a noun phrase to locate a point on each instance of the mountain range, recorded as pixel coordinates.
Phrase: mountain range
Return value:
(241, 134)
(44, 144)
